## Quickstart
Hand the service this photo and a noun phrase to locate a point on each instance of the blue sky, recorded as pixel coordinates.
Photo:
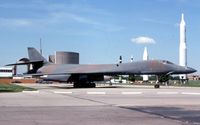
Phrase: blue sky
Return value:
(100, 30)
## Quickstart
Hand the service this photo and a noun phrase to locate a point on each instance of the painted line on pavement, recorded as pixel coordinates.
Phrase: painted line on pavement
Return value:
(30, 91)
(190, 93)
(131, 93)
(96, 93)
(167, 93)
(62, 92)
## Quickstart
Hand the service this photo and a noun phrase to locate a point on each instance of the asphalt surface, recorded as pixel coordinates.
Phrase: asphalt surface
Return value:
(58, 104)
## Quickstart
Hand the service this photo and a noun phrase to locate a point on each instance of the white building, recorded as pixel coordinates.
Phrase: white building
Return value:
(6, 72)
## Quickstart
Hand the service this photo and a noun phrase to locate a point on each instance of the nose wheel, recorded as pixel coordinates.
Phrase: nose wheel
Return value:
(157, 86)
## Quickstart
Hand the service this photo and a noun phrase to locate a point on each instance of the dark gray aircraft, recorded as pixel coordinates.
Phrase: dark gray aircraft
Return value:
(83, 75)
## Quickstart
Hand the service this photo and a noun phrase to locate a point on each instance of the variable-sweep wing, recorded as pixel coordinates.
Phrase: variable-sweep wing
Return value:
(82, 75)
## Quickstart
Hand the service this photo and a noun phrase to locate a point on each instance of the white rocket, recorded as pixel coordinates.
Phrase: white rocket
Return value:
(145, 54)
(182, 47)
(145, 57)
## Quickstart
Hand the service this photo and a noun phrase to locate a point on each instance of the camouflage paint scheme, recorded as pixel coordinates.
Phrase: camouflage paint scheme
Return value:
(94, 72)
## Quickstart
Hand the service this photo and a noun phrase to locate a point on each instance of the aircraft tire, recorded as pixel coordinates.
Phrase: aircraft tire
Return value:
(156, 86)
(89, 85)
(92, 85)
(77, 85)
(84, 85)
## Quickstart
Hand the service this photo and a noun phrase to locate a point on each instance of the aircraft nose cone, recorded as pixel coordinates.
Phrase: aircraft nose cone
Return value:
(191, 70)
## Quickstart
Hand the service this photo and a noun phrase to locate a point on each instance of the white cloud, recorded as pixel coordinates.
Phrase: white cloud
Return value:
(143, 40)
(179, 1)
(63, 17)
(58, 14)
(22, 22)
(58, 17)
(156, 21)
(81, 19)
(15, 22)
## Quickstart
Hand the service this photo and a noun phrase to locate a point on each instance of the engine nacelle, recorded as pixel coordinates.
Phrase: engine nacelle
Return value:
(57, 78)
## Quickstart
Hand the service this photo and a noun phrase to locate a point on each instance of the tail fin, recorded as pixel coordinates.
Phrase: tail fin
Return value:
(35, 59)
(34, 55)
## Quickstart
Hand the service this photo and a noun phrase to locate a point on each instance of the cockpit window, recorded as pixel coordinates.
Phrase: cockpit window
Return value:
(167, 62)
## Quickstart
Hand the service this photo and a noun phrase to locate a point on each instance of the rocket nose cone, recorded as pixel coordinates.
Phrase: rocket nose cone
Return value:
(182, 16)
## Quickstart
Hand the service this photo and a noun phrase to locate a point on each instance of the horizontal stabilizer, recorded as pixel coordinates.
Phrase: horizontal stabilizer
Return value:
(23, 63)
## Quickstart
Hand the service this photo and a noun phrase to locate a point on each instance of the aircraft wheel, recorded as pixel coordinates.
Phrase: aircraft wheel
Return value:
(84, 85)
(90, 85)
(157, 86)
(93, 85)
(77, 85)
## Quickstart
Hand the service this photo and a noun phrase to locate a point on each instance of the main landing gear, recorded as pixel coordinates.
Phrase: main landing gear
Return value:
(84, 85)
(157, 85)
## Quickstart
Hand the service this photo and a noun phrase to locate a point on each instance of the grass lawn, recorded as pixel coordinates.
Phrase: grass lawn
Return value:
(190, 83)
(14, 88)
(193, 83)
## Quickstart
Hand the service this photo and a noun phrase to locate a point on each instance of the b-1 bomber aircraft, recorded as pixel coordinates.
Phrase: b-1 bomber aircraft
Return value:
(84, 75)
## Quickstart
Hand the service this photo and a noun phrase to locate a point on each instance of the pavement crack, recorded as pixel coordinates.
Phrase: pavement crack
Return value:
(92, 100)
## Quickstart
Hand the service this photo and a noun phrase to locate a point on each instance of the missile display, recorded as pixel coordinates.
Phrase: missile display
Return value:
(120, 59)
(145, 57)
(183, 47)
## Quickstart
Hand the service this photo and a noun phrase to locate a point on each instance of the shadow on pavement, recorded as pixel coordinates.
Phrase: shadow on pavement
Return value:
(189, 115)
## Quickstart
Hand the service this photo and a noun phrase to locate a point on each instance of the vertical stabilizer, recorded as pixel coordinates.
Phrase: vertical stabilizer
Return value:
(34, 55)
(36, 60)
